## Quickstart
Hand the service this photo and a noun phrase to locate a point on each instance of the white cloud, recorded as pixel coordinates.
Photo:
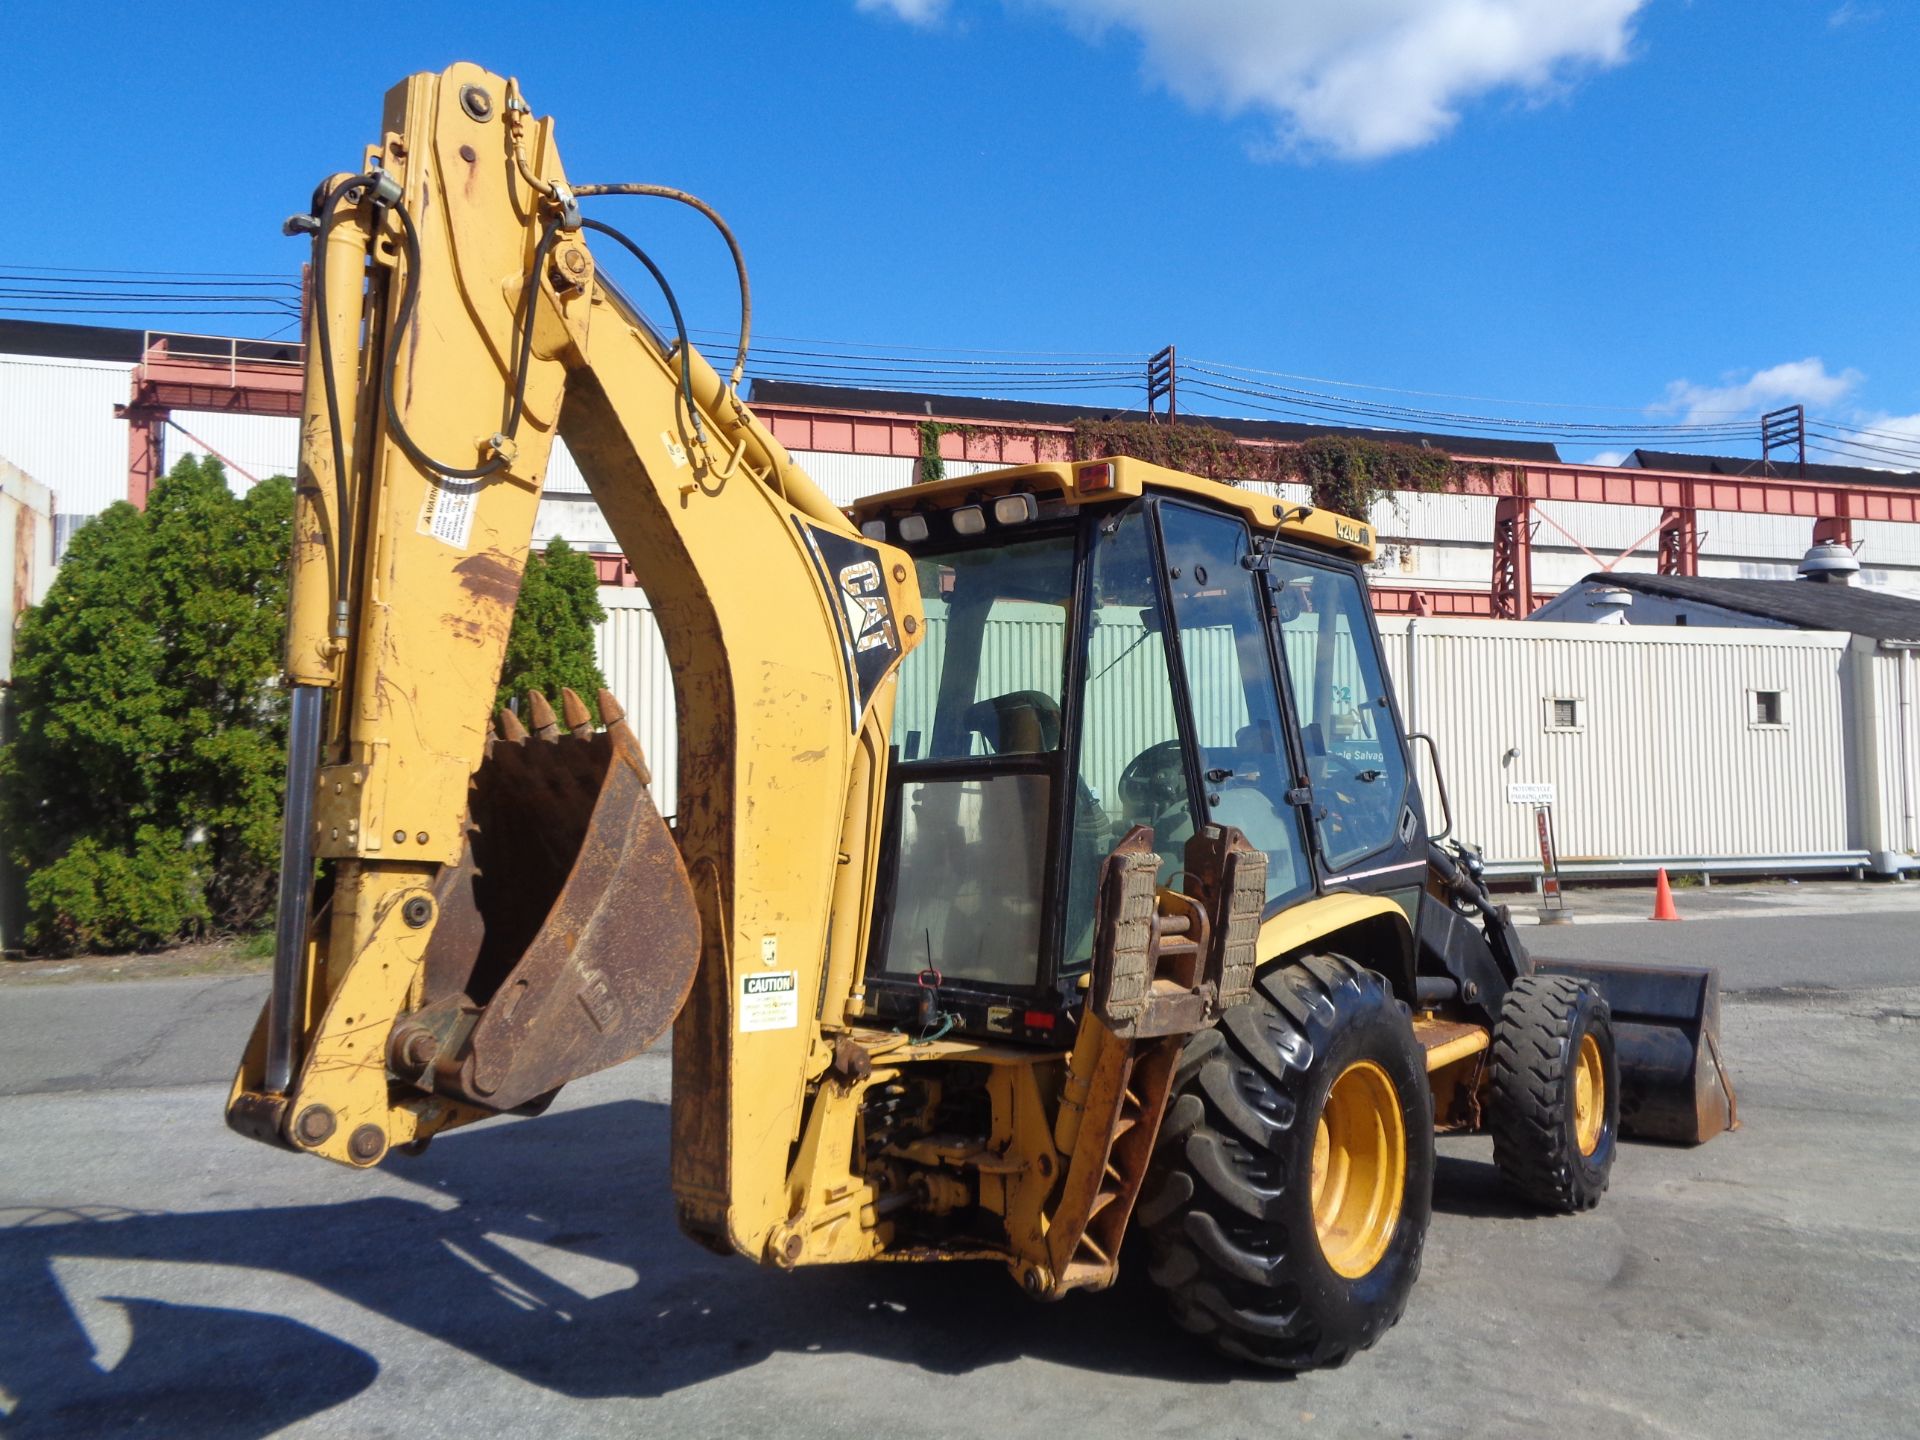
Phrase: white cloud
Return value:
(1904, 428)
(1852, 13)
(1605, 457)
(1879, 440)
(1795, 382)
(1364, 78)
(914, 12)
(1358, 79)
(1839, 432)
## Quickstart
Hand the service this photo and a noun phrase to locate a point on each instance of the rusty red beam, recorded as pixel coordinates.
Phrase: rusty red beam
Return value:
(867, 432)
(1000, 442)
(164, 382)
(168, 382)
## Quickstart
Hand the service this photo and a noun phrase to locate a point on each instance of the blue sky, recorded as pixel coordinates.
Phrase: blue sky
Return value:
(1678, 209)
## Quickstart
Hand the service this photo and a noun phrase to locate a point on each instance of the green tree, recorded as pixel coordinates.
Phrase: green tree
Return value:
(551, 643)
(141, 792)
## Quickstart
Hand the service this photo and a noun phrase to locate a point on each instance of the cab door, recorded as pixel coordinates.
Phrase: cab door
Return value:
(1364, 812)
(1228, 691)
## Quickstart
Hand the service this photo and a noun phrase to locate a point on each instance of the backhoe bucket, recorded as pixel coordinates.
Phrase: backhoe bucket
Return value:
(567, 936)
(1666, 1034)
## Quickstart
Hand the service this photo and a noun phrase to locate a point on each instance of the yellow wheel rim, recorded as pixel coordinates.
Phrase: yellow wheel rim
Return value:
(1589, 1095)
(1359, 1169)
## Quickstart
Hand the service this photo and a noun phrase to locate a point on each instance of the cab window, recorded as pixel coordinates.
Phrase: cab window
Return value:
(1354, 761)
(986, 677)
(977, 724)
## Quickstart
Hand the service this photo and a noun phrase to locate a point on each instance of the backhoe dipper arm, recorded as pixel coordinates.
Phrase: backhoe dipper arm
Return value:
(498, 913)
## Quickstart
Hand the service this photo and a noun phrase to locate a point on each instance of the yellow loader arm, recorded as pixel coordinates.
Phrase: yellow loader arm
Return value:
(500, 906)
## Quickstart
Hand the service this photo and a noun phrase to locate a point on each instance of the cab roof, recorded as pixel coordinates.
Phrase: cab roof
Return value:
(1123, 477)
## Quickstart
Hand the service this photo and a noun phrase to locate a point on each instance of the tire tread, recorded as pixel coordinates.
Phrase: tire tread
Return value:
(1529, 1112)
(1219, 1258)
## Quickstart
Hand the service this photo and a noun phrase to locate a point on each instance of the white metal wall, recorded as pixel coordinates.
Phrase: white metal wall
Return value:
(1895, 735)
(1666, 761)
(56, 423)
(257, 446)
(627, 646)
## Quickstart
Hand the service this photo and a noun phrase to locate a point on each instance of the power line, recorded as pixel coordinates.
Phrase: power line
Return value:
(949, 370)
(842, 346)
(1856, 447)
(1320, 409)
(1348, 405)
(194, 274)
(961, 371)
(148, 310)
(1450, 395)
(15, 275)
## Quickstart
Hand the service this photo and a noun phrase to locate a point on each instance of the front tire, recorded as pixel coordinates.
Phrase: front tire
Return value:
(1293, 1179)
(1554, 1107)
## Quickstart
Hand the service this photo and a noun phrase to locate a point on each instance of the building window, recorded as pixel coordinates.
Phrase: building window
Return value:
(1769, 707)
(1563, 714)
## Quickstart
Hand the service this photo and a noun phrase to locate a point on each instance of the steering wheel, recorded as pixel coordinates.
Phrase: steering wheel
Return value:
(1155, 781)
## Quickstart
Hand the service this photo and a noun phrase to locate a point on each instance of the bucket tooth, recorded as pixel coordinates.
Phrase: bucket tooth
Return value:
(510, 726)
(579, 723)
(610, 712)
(545, 725)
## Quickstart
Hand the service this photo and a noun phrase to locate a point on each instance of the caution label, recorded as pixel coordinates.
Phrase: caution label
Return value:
(769, 1001)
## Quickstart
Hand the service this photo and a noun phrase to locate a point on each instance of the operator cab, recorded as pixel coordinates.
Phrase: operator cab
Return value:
(1108, 645)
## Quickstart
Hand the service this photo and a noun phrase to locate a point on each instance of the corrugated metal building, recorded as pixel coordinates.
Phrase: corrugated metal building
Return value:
(1886, 741)
(1656, 746)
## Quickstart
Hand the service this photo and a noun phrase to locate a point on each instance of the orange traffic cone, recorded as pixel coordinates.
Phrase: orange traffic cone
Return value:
(1663, 898)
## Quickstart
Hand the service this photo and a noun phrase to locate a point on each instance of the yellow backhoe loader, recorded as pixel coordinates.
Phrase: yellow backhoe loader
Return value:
(1048, 862)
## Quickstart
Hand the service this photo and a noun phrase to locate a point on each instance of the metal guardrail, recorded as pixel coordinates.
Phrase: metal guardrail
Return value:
(228, 351)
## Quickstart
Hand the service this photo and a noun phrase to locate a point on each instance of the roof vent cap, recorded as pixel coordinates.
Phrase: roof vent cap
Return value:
(1829, 563)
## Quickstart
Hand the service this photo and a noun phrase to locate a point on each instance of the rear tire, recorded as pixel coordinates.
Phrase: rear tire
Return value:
(1554, 1107)
(1249, 1251)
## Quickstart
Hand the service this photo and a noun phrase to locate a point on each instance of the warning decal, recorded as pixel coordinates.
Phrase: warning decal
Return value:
(769, 1001)
(447, 514)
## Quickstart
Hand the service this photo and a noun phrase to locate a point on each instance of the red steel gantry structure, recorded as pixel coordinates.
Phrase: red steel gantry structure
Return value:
(234, 380)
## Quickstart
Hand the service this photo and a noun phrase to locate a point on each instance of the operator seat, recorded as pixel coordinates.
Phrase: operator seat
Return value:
(1021, 722)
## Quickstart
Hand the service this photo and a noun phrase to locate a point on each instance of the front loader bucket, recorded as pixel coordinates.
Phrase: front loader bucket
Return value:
(567, 936)
(1666, 1034)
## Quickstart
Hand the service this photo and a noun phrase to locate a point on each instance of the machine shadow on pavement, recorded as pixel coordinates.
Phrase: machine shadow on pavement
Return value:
(590, 1183)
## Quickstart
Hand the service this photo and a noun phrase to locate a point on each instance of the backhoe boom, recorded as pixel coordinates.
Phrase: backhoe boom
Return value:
(458, 289)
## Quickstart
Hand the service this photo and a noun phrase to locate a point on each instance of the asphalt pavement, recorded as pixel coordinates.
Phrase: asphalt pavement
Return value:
(164, 1277)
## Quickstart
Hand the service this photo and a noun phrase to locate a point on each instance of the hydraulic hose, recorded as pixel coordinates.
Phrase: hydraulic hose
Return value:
(673, 304)
(516, 406)
(667, 192)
